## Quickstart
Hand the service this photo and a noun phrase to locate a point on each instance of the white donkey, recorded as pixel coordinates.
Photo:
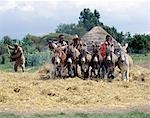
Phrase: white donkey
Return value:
(125, 62)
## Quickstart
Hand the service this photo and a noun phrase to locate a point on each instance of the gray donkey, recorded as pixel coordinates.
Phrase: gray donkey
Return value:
(125, 62)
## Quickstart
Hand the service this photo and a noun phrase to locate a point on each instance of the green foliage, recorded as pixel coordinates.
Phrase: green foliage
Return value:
(38, 58)
(139, 43)
(71, 29)
(141, 59)
(32, 44)
(113, 32)
(81, 115)
(35, 47)
(3, 48)
(54, 36)
(7, 40)
(2, 115)
(88, 19)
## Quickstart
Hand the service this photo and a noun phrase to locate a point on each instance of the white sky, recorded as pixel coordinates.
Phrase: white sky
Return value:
(19, 17)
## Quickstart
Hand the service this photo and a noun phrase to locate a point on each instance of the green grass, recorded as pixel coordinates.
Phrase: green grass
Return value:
(142, 60)
(8, 67)
(139, 59)
(81, 115)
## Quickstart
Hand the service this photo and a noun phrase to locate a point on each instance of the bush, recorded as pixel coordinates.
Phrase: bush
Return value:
(37, 58)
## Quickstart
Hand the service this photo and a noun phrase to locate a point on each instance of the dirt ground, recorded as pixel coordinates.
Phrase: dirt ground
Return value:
(28, 93)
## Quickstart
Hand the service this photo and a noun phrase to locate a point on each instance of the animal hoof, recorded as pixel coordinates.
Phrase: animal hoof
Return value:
(112, 76)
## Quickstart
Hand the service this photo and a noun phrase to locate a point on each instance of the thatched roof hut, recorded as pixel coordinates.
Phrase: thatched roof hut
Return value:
(97, 34)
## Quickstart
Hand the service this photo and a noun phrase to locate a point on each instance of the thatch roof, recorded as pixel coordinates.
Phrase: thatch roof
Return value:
(97, 34)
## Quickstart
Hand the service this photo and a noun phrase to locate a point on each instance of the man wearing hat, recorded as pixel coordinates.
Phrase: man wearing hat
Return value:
(17, 56)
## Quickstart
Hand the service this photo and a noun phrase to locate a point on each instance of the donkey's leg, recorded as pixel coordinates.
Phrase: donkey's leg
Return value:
(113, 72)
(94, 71)
(123, 75)
(104, 72)
(127, 74)
(53, 72)
(68, 70)
(78, 70)
(99, 69)
(91, 72)
(62, 72)
(73, 71)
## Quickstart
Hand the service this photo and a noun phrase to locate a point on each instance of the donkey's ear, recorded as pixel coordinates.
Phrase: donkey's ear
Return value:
(124, 48)
(54, 45)
(126, 45)
(71, 44)
(63, 47)
(119, 45)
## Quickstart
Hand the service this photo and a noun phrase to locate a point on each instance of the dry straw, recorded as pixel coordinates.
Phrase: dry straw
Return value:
(21, 91)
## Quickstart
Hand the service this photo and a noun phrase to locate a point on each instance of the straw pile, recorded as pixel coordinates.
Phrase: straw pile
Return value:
(22, 91)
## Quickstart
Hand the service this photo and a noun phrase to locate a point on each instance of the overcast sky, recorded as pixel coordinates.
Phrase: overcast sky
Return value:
(38, 17)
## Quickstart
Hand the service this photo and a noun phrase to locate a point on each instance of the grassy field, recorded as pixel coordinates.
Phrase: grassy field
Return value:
(9, 67)
(138, 59)
(141, 58)
(81, 115)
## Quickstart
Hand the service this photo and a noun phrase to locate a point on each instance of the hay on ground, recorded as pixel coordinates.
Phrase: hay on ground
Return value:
(22, 91)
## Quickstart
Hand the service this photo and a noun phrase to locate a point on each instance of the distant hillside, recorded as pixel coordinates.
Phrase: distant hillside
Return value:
(40, 42)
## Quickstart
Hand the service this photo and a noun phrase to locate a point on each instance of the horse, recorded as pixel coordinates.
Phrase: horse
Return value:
(125, 62)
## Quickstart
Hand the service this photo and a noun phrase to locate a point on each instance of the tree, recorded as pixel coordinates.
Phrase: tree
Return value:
(114, 33)
(7, 40)
(139, 43)
(88, 19)
(71, 29)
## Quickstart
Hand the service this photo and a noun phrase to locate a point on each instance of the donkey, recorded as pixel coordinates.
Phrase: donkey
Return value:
(125, 62)
(95, 62)
(58, 60)
(84, 62)
(110, 62)
(71, 60)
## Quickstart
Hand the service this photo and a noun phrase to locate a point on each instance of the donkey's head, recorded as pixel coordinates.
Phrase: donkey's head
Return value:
(122, 53)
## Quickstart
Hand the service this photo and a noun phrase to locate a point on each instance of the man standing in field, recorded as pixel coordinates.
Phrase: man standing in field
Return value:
(17, 56)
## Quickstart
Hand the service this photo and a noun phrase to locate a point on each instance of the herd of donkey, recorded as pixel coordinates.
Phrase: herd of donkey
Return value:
(98, 62)
(76, 58)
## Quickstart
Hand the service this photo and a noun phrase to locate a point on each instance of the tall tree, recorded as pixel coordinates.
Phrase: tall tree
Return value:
(71, 29)
(7, 40)
(139, 43)
(88, 19)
